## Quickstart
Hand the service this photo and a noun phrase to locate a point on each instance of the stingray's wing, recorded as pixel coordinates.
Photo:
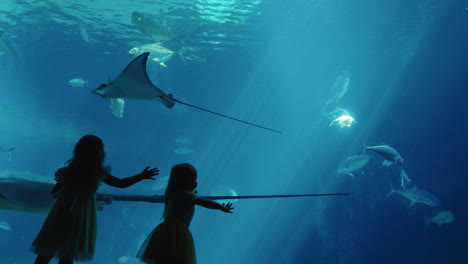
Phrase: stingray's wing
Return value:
(25, 195)
(35, 196)
(134, 83)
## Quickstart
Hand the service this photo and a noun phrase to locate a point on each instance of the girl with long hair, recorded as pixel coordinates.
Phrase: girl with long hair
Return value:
(69, 231)
(171, 242)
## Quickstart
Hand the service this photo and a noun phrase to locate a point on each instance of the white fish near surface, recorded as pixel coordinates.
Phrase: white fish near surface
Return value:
(7, 152)
(442, 217)
(158, 53)
(390, 155)
(416, 195)
(5, 225)
(78, 82)
(344, 121)
(117, 105)
(353, 164)
(183, 151)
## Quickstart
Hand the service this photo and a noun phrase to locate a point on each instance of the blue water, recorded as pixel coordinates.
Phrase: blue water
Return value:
(270, 63)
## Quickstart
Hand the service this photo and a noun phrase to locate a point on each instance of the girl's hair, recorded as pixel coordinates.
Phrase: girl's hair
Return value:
(183, 179)
(87, 160)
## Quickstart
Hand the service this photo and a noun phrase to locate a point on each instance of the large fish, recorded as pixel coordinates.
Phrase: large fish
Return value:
(157, 31)
(353, 164)
(224, 190)
(442, 217)
(416, 195)
(117, 105)
(343, 121)
(78, 82)
(158, 53)
(390, 155)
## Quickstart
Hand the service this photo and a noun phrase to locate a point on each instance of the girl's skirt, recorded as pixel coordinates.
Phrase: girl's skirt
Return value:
(169, 243)
(68, 234)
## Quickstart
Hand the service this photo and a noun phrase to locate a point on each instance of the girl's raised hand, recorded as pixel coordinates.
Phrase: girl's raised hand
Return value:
(148, 173)
(227, 207)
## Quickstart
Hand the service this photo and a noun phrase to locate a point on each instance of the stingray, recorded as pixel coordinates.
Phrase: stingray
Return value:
(35, 196)
(133, 83)
(25, 195)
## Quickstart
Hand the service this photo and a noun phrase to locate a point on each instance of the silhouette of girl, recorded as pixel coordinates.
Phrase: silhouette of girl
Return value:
(69, 231)
(171, 241)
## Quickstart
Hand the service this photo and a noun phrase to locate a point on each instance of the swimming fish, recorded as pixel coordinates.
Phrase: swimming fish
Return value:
(183, 151)
(225, 191)
(7, 152)
(352, 164)
(133, 83)
(389, 154)
(5, 225)
(344, 121)
(117, 105)
(442, 217)
(158, 53)
(416, 195)
(157, 31)
(78, 82)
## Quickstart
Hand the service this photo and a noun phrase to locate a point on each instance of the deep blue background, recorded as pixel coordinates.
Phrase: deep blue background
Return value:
(408, 88)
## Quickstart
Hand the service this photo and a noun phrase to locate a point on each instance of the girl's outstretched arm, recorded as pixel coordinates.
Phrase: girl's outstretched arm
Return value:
(214, 205)
(147, 173)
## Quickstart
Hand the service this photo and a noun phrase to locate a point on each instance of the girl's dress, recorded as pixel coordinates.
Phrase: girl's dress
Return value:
(70, 228)
(171, 241)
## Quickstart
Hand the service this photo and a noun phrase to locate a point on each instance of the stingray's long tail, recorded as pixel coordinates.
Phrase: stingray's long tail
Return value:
(271, 196)
(209, 111)
(108, 198)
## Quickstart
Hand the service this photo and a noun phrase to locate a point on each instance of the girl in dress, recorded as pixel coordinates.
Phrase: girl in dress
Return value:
(171, 241)
(69, 231)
